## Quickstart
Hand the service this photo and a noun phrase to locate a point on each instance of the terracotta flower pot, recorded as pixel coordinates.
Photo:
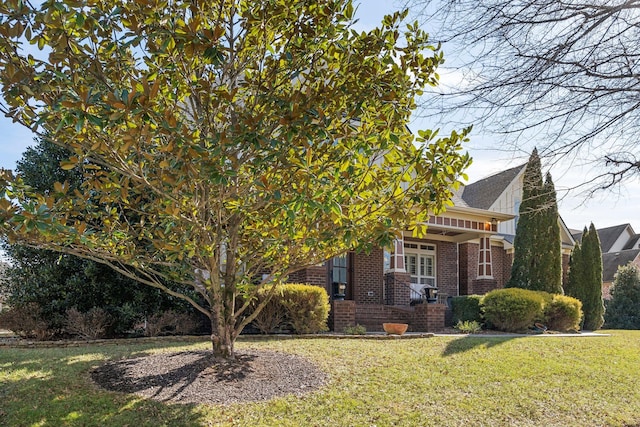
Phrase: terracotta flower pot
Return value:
(395, 328)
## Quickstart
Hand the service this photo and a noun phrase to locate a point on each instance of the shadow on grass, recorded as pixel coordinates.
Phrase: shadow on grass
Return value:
(470, 342)
(42, 388)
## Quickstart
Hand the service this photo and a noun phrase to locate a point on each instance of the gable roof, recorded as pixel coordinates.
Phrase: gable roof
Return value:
(608, 236)
(457, 199)
(632, 242)
(482, 194)
(611, 261)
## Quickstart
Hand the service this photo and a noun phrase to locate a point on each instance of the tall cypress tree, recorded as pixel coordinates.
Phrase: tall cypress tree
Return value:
(550, 271)
(585, 278)
(592, 305)
(575, 278)
(537, 262)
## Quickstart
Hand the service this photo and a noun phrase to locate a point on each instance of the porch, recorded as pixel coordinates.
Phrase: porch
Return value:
(410, 283)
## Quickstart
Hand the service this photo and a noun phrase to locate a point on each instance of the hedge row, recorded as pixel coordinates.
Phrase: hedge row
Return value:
(29, 321)
(515, 310)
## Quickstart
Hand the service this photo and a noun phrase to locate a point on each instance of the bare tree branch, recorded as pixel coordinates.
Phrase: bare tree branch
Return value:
(563, 74)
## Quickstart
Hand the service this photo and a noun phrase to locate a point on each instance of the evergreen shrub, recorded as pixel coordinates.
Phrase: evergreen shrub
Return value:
(306, 307)
(467, 308)
(623, 310)
(272, 316)
(563, 313)
(301, 307)
(512, 309)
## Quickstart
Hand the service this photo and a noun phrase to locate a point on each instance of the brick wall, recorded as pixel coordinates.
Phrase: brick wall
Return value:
(482, 286)
(368, 277)
(507, 266)
(421, 318)
(429, 317)
(372, 316)
(501, 265)
(343, 314)
(447, 266)
(316, 275)
(468, 266)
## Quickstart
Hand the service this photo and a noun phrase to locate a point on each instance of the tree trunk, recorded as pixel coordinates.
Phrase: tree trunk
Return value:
(222, 340)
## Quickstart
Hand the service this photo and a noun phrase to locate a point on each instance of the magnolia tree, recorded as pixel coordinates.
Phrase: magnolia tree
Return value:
(224, 144)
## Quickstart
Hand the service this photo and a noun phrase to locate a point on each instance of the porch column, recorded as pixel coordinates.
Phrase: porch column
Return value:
(397, 256)
(485, 281)
(397, 280)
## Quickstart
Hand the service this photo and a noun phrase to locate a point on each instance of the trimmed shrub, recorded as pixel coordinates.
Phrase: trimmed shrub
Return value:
(563, 313)
(273, 315)
(512, 309)
(306, 307)
(467, 308)
(90, 325)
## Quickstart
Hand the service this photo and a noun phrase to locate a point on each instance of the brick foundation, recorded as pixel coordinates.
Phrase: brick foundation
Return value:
(429, 317)
(482, 286)
(372, 316)
(421, 318)
(343, 314)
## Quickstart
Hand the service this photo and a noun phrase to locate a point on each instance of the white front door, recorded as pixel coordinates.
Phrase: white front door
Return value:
(420, 262)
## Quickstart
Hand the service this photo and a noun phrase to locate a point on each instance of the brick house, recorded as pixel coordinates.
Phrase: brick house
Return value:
(467, 250)
(461, 254)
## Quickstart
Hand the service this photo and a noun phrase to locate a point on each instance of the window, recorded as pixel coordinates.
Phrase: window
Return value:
(339, 269)
(340, 276)
(484, 258)
(420, 262)
(386, 263)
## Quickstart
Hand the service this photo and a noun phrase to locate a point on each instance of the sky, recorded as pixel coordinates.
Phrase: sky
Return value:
(489, 157)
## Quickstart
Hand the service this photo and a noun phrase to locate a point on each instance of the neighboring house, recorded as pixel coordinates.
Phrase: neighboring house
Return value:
(620, 245)
(467, 250)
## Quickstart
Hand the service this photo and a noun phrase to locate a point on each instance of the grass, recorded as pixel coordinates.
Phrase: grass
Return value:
(441, 381)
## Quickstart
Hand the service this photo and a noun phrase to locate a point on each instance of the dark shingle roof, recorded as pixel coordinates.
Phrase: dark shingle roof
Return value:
(483, 193)
(611, 261)
(609, 235)
(632, 242)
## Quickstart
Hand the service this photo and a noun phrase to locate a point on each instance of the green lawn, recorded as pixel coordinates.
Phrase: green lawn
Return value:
(441, 381)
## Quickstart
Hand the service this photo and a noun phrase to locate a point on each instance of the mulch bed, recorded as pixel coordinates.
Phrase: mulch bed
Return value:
(197, 377)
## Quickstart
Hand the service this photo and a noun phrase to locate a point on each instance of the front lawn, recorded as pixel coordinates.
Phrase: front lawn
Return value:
(441, 381)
